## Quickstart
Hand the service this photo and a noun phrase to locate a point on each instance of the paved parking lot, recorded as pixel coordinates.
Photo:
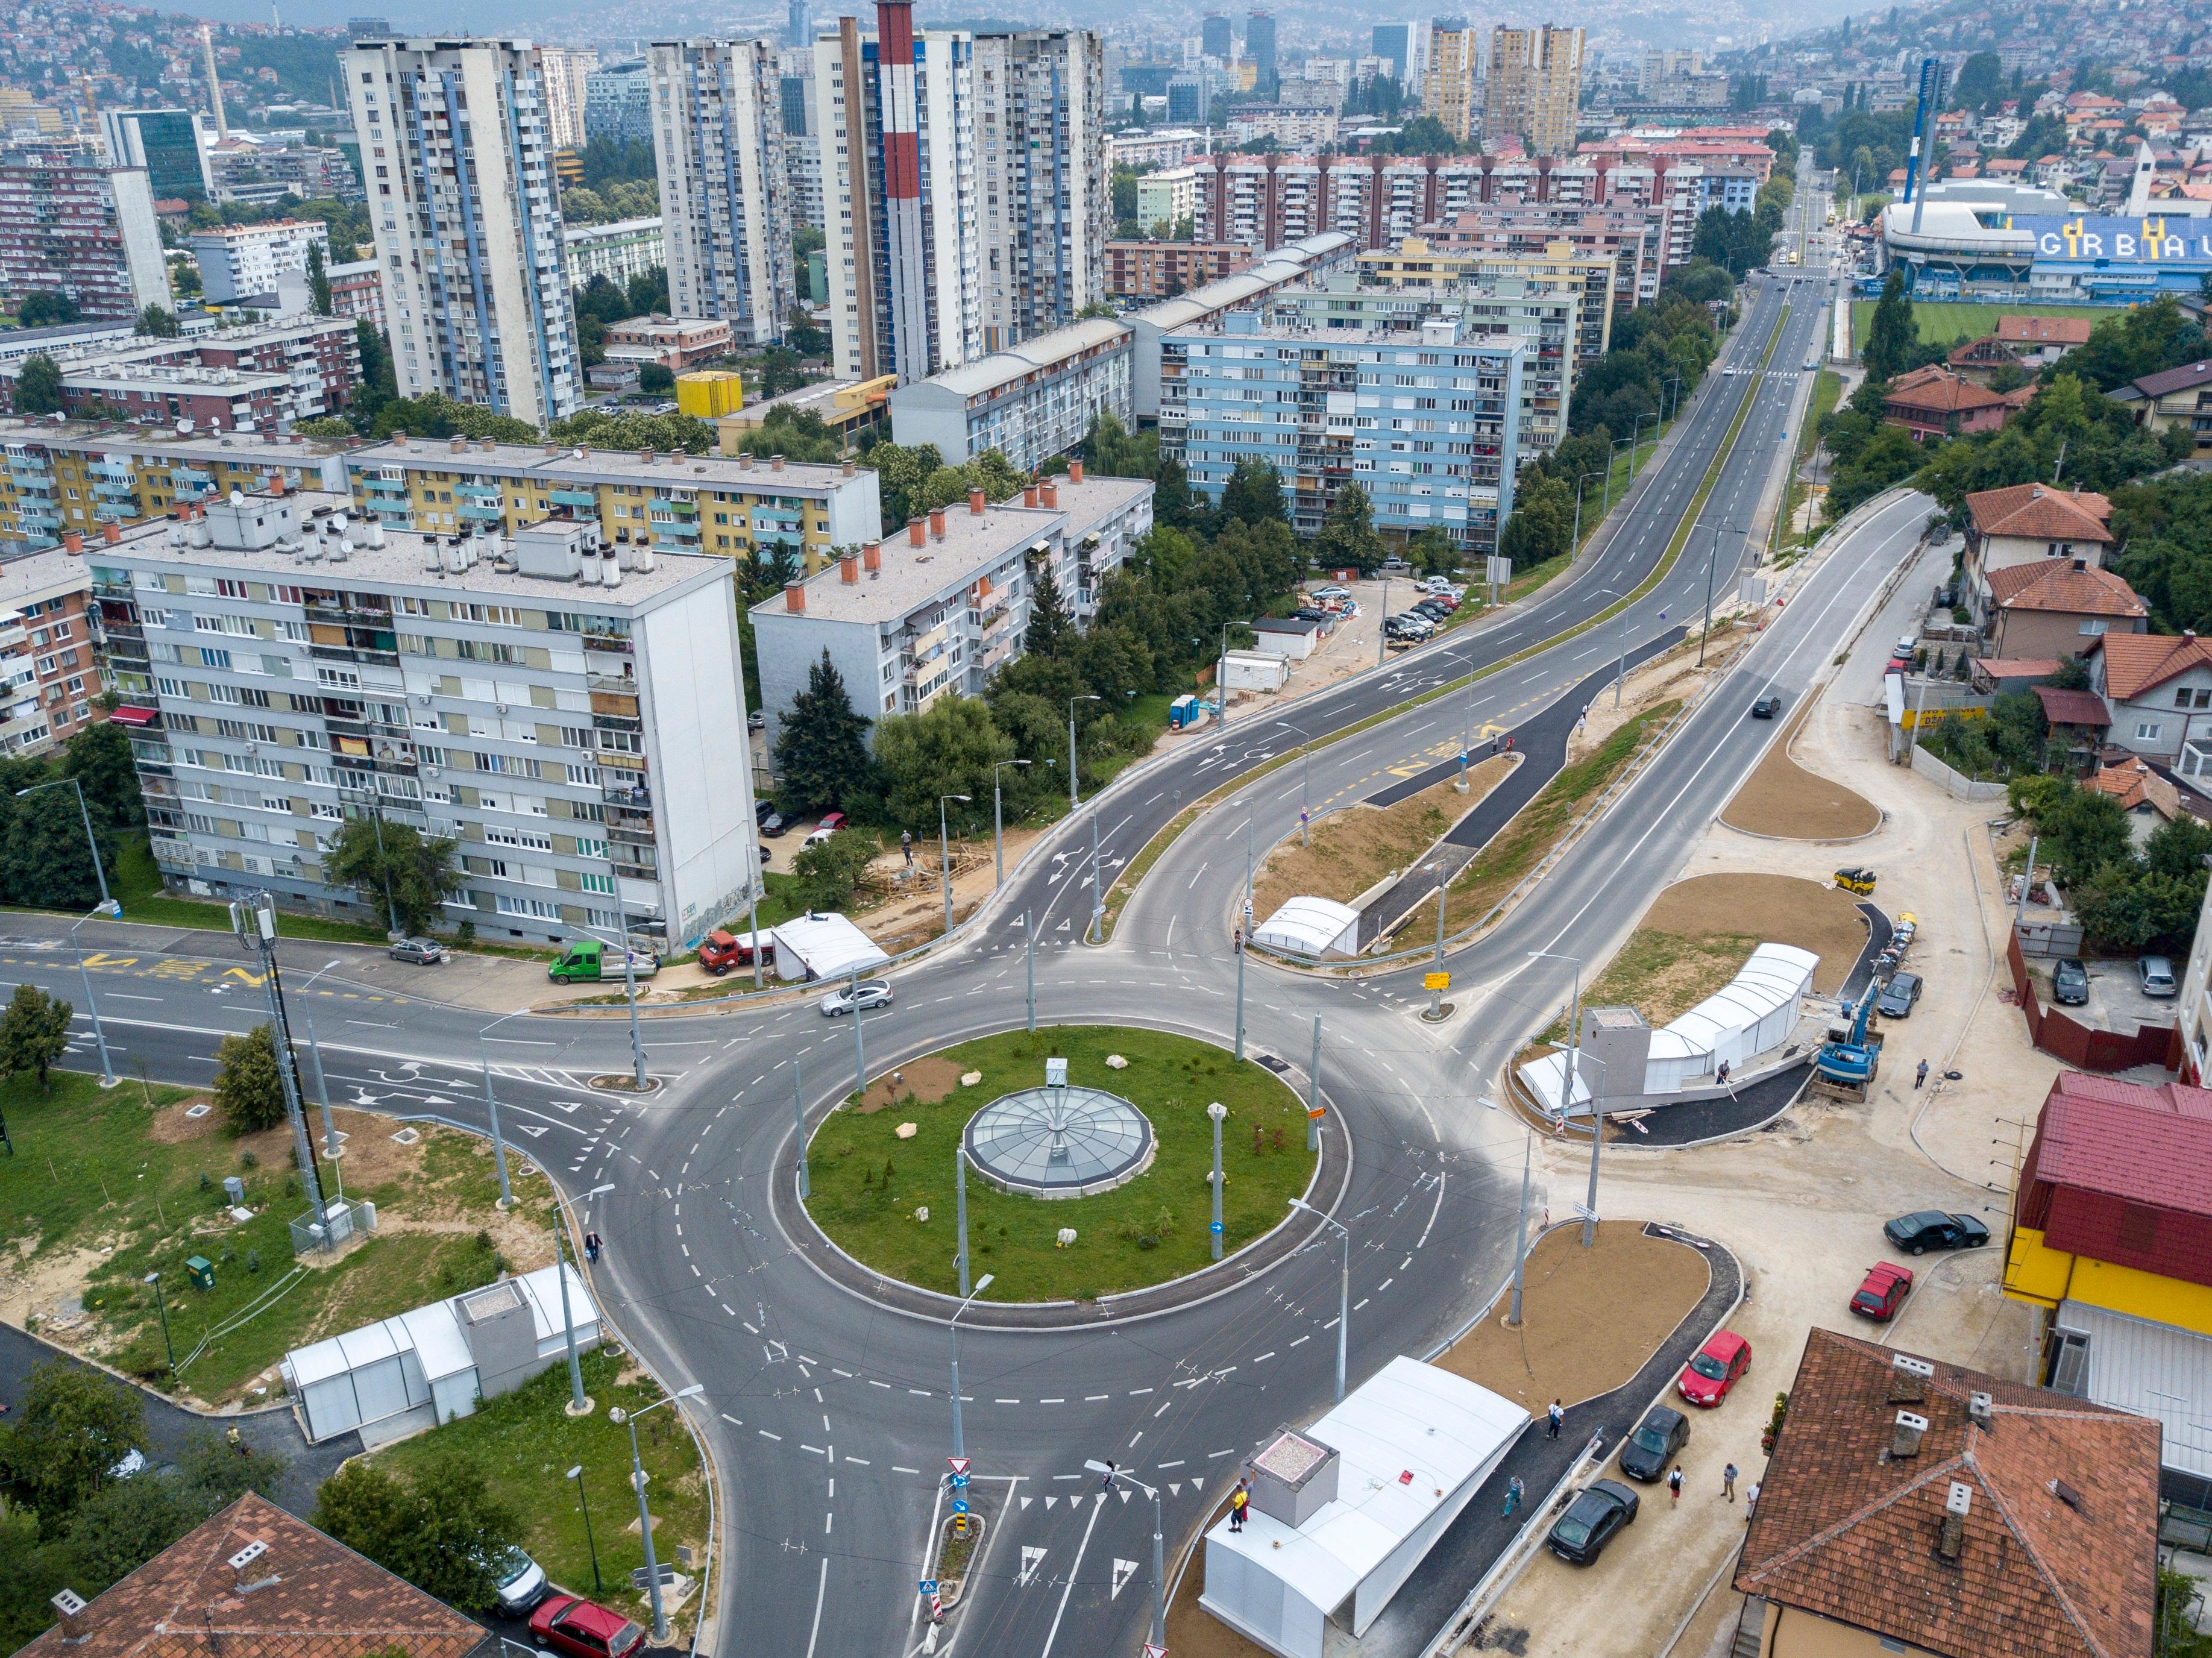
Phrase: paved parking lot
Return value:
(2117, 1004)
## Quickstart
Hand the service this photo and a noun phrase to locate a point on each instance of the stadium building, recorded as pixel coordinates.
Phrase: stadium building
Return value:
(1975, 240)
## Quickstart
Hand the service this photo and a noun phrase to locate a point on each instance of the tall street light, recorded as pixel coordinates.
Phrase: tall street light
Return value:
(591, 1542)
(1344, 1287)
(161, 1306)
(1713, 558)
(1074, 783)
(959, 1447)
(944, 850)
(1573, 1079)
(491, 1104)
(629, 965)
(1636, 440)
(322, 1087)
(84, 816)
(98, 1032)
(1215, 1113)
(578, 1403)
(1221, 669)
(998, 818)
(1305, 781)
(644, 1519)
(1575, 545)
(1159, 1574)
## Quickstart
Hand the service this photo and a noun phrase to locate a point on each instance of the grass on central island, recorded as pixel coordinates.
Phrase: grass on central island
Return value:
(866, 1183)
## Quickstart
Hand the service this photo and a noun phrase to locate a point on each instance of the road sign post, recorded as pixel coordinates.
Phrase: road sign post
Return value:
(1436, 984)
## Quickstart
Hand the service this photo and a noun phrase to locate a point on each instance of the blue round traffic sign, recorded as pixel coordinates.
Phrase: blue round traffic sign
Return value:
(1214, 1226)
(959, 1505)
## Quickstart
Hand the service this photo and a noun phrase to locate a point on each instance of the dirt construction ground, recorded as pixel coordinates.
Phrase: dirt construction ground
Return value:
(1784, 800)
(1801, 1204)
(1353, 850)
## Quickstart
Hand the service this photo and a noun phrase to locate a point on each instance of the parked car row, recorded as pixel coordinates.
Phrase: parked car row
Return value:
(2069, 980)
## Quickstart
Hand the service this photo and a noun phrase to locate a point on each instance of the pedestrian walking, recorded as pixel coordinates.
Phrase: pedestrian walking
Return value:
(905, 846)
(1239, 1500)
(1728, 1482)
(1514, 1492)
(1107, 1484)
(1750, 1501)
(1920, 1076)
(1556, 1418)
(1674, 1487)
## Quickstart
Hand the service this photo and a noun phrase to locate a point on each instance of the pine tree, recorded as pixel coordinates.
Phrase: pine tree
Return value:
(1048, 621)
(319, 281)
(1347, 538)
(822, 752)
(1890, 344)
(1254, 494)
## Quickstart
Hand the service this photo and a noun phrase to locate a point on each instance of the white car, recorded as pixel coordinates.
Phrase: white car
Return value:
(522, 1582)
(868, 994)
(1327, 595)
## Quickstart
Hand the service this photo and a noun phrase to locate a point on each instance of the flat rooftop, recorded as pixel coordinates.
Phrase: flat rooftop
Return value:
(36, 577)
(563, 461)
(246, 448)
(1094, 497)
(913, 576)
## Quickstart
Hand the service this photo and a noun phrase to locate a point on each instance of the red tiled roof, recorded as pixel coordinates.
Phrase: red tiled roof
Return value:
(2041, 513)
(2045, 330)
(2135, 663)
(2072, 707)
(2149, 1145)
(2056, 1554)
(2132, 783)
(314, 1598)
(2053, 584)
(1939, 392)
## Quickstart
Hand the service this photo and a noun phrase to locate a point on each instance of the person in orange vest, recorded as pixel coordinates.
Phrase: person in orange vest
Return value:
(1239, 1501)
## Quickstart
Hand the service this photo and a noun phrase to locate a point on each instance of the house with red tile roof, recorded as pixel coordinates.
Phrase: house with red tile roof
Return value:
(254, 1582)
(1935, 403)
(2027, 522)
(1915, 1506)
(2040, 340)
(2159, 687)
(2172, 397)
(2147, 794)
(2055, 607)
(1979, 360)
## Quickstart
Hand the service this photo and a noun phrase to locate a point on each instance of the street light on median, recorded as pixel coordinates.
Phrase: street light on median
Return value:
(981, 1284)
(945, 852)
(1159, 1577)
(578, 1403)
(998, 818)
(619, 1415)
(1344, 1287)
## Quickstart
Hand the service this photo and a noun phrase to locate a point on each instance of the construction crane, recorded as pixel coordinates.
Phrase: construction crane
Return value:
(1847, 1062)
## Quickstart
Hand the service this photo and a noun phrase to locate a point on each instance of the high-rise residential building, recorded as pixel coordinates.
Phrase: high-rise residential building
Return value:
(263, 377)
(49, 673)
(1260, 43)
(798, 24)
(1535, 87)
(1214, 39)
(166, 142)
(566, 70)
(1188, 98)
(618, 103)
(543, 699)
(70, 225)
(618, 250)
(1044, 194)
(238, 260)
(725, 188)
(1030, 403)
(1449, 85)
(467, 220)
(896, 118)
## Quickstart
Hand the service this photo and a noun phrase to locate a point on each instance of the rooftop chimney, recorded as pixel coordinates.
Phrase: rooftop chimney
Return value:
(848, 466)
(276, 483)
(871, 557)
(1982, 1410)
(73, 542)
(1029, 494)
(977, 501)
(1075, 471)
(1957, 1505)
(1906, 1440)
(76, 1625)
(110, 533)
(849, 569)
(794, 597)
(937, 523)
(776, 462)
(243, 1563)
(917, 533)
(1049, 492)
(1909, 1378)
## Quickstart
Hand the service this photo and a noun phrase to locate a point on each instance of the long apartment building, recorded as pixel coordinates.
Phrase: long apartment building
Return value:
(1046, 196)
(1639, 242)
(240, 261)
(1429, 427)
(1535, 87)
(725, 214)
(1029, 402)
(70, 225)
(618, 250)
(1415, 263)
(263, 377)
(50, 674)
(1150, 269)
(934, 612)
(543, 699)
(457, 154)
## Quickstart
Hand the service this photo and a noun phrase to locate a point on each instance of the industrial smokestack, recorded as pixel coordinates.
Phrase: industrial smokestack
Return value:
(215, 85)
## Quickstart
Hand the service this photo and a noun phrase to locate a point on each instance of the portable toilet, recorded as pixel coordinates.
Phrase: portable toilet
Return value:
(1182, 712)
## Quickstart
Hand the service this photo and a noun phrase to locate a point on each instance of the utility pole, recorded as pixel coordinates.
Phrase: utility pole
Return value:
(1520, 1247)
(860, 1043)
(1313, 1092)
(960, 1210)
(253, 920)
(1215, 1113)
(1029, 939)
(798, 1116)
(1096, 932)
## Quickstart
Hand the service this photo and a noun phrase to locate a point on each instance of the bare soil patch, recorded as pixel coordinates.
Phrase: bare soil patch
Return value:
(171, 1125)
(1590, 1317)
(1353, 850)
(924, 1081)
(1781, 909)
(1782, 799)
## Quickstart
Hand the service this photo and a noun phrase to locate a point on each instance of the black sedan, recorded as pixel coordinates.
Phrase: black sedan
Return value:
(2070, 983)
(1599, 1510)
(1766, 708)
(774, 823)
(1897, 996)
(1932, 1228)
(1646, 1454)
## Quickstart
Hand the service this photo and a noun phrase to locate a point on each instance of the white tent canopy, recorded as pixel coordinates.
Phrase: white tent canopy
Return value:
(1413, 1444)
(1752, 1013)
(829, 946)
(1311, 927)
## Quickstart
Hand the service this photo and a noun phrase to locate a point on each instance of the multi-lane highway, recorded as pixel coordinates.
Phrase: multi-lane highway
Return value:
(828, 1414)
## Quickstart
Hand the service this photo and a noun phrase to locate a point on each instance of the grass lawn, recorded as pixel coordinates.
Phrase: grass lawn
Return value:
(867, 1183)
(107, 1185)
(138, 885)
(1663, 975)
(526, 1442)
(1827, 390)
(1351, 850)
(1941, 321)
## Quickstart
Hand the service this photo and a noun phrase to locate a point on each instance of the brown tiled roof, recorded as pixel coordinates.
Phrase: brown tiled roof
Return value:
(2058, 1553)
(312, 1597)
(1989, 351)
(2062, 707)
(2133, 783)
(2174, 380)
(2053, 584)
(2135, 663)
(1939, 392)
(2041, 513)
(2045, 330)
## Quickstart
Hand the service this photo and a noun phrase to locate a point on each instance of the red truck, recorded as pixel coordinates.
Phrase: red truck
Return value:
(720, 951)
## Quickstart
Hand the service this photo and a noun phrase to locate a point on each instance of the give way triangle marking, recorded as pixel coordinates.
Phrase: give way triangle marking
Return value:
(1122, 1569)
(1030, 1555)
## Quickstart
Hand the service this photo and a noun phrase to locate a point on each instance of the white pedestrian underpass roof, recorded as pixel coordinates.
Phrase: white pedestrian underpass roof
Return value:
(829, 946)
(1310, 927)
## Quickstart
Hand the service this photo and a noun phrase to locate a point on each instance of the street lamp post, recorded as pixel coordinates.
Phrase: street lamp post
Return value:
(1521, 1236)
(945, 852)
(1159, 1573)
(999, 819)
(1635, 440)
(591, 1542)
(799, 1116)
(1713, 558)
(1437, 870)
(1215, 1113)
(1344, 1287)
(1313, 1092)
(1074, 785)
(384, 870)
(644, 1518)
(860, 1043)
(1221, 671)
(1305, 781)
(578, 1403)
(492, 1105)
(161, 1306)
(1574, 1077)
(98, 1031)
(959, 1447)
(1028, 941)
(91, 841)
(1575, 545)
(960, 1210)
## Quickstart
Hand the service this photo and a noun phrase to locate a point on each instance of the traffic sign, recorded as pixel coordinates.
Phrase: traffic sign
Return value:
(959, 1482)
(638, 1579)
(959, 1464)
(1152, 1651)
(1213, 1226)
(959, 1505)
(1316, 1111)
(1435, 982)
(929, 1586)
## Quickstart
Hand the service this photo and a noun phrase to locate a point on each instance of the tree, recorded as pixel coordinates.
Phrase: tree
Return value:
(38, 386)
(45, 310)
(1049, 623)
(949, 748)
(821, 751)
(248, 1088)
(1254, 494)
(830, 871)
(656, 377)
(1347, 536)
(319, 281)
(440, 1532)
(393, 869)
(1891, 343)
(158, 322)
(101, 759)
(34, 1034)
(72, 1425)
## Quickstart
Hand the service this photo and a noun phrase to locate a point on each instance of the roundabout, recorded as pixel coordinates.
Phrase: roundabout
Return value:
(1120, 1156)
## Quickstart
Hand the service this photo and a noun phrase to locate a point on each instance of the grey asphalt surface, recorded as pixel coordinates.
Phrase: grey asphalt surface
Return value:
(827, 1414)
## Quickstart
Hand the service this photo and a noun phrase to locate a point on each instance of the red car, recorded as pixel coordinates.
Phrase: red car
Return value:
(1705, 1380)
(1883, 1292)
(566, 1623)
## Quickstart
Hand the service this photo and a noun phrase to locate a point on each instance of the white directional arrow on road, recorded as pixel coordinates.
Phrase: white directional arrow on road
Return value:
(1122, 1569)
(1030, 1555)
